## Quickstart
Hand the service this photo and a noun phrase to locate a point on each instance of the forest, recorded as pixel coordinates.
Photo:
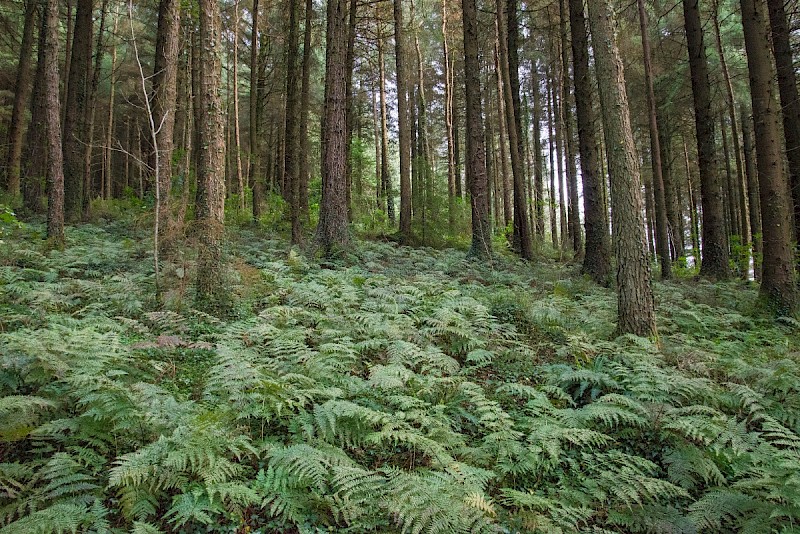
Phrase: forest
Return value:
(399, 266)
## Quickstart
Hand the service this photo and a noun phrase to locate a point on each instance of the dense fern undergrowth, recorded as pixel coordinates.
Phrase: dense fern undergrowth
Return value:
(403, 390)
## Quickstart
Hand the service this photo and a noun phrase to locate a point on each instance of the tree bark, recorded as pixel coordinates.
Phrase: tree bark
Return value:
(636, 309)
(597, 258)
(22, 95)
(332, 232)
(403, 124)
(574, 219)
(752, 190)
(510, 67)
(291, 176)
(778, 289)
(715, 241)
(789, 98)
(211, 160)
(305, 98)
(36, 138)
(386, 179)
(662, 224)
(448, 120)
(476, 150)
(75, 126)
(55, 169)
(254, 97)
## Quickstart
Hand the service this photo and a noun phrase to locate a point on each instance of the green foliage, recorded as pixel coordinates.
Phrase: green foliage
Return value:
(410, 392)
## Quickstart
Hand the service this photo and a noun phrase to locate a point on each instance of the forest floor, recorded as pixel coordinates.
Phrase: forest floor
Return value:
(399, 390)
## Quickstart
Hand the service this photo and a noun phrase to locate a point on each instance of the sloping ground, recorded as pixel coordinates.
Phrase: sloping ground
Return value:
(401, 391)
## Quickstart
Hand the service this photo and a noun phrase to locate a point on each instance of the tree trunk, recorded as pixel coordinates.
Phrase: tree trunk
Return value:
(55, 169)
(574, 219)
(403, 124)
(778, 287)
(790, 100)
(305, 97)
(332, 232)
(731, 105)
(636, 310)
(36, 138)
(597, 258)
(538, 172)
(254, 97)
(237, 134)
(503, 175)
(752, 191)
(715, 241)
(662, 224)
(476, 150)
(91, 113)
(448, 120)
(22, 95)
(386, 179)
(75, 126)
(291, 177)
(211, 160)
(108, 150)
(551, 142)
(350, 59)
(510, 69)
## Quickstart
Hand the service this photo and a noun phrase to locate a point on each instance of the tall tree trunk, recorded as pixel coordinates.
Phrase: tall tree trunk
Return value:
(386, 179)
(55, 169)
(75, 126)
(237, 134)
(731, 106)
(597, 258)
(305, 98)
(254, 97)
(36, 137)
(752, 190)
(790, 99)
(350, 59)
(510, 68)
(636, 309)
(22, 94)
(165, 87)
(503, 175)
(91, 109)
(291, 177)
(211, 159)
(569, 144)
(552, 139)
(403, 123)
(108, 150)
(538, 172)
(778, 288)
(332, 232)
(715, 241)
(476, 150)
(448, 120)
(662, 224)
(558, 109)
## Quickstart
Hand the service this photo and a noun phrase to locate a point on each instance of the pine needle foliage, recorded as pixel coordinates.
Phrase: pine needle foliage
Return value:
(411, 391)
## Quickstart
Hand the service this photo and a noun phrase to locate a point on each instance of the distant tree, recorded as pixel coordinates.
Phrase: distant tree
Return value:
(778, 287)
(636, 309)
(404, 122)
(22, 93)
(662, 225)
(476, 150)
